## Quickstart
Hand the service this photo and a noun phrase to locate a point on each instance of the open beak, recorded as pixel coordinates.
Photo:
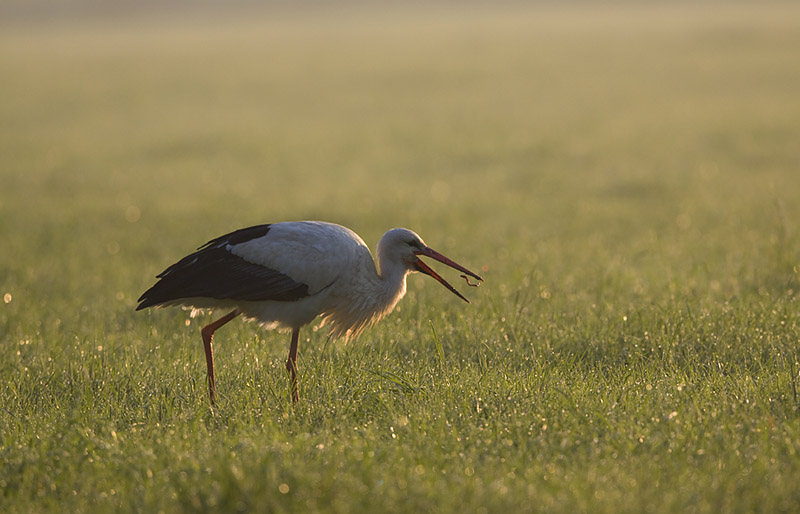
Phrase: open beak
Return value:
(433, 254)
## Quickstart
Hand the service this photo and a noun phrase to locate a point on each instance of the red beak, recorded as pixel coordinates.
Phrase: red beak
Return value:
(433, 254)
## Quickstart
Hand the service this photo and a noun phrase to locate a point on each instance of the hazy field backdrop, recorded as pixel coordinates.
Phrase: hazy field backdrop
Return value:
(627, 180)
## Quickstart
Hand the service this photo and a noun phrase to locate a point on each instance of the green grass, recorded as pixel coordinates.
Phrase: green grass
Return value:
(627, 180)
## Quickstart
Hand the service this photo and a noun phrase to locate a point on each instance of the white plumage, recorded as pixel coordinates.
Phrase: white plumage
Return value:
(284, 275)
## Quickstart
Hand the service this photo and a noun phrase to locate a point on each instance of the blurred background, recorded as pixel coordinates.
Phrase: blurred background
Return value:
(652, 146)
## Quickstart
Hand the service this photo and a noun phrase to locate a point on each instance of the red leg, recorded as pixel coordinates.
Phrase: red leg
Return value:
(291, 365)
(208, 335)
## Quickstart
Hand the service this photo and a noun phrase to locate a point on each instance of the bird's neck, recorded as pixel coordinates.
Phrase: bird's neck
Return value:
(378, 293)
(391, 286)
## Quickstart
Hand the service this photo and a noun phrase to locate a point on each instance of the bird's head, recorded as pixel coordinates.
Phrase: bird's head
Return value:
(401, 246)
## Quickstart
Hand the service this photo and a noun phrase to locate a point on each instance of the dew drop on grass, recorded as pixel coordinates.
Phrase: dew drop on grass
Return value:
(132, 214)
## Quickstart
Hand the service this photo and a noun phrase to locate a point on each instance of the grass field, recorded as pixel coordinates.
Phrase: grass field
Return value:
(627, 180)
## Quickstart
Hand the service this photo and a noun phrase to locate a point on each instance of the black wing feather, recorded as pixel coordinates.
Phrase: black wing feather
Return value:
(214, 272)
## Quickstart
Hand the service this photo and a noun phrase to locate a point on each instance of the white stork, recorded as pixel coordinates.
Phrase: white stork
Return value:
(283, 275)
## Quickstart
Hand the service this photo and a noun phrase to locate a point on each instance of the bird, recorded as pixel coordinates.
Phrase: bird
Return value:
(284, 275)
